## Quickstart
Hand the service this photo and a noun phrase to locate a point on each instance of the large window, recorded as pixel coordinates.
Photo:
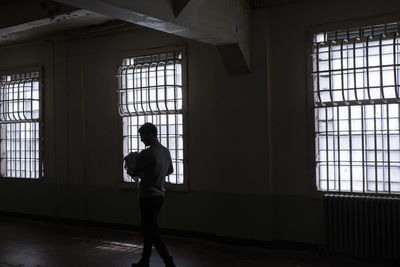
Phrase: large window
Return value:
(356, 76)
(150, 90)
(20, 125)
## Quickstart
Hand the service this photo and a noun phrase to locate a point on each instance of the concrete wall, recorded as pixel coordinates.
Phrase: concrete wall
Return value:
(298, 210)
(249, 141)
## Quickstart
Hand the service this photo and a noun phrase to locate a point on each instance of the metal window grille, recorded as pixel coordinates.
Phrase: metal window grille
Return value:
(357, 113)
(19, 125)
(150, 90)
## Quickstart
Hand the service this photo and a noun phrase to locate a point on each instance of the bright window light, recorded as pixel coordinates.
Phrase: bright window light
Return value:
(150, 90)
(357, 113)
(19, 126)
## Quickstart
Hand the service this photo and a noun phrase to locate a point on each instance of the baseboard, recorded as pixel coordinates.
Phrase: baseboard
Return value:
(234, 241)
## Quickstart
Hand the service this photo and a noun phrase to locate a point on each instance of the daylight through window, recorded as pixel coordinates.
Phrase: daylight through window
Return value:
(356, 95)
(19, 125)
(150, 90)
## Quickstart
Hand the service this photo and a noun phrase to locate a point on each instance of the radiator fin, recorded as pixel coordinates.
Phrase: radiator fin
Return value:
(363, 226)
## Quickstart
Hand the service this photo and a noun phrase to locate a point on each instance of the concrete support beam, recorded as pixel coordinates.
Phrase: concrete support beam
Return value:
(53, 24)
(16, 12)
(178, 6)
(223, 23)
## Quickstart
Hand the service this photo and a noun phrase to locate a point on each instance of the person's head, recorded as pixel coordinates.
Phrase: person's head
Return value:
(148, 134)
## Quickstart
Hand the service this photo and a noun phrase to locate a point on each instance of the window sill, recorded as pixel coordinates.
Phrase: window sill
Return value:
(360, 194)
(170, 187)
(177, 187)
(21, 179)
(127, 185)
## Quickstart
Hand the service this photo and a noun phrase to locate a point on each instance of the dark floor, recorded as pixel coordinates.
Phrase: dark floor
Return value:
(36, 243)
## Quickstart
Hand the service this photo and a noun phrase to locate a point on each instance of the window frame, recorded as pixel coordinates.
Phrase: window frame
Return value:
(150, 51)
(310, 31)
(40, 70)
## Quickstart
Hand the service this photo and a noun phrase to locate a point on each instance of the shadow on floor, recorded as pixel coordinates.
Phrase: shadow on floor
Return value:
(32, 243)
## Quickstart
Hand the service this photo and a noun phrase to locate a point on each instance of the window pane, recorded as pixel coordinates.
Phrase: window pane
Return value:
(170, 139)
(19, 125)
(155, 96)
(357, 112)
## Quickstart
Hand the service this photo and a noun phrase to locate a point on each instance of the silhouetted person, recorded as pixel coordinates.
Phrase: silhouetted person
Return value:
(153, 164)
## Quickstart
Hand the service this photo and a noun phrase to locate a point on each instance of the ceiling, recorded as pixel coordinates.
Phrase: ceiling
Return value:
(222, 23)
(39, 18)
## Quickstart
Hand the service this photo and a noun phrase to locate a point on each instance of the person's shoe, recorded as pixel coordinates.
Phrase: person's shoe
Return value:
(141, 263)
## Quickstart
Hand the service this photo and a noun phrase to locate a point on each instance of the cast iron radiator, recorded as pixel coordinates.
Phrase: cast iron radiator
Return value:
(363, 226)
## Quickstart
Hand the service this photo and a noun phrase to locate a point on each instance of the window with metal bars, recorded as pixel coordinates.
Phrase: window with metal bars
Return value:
(150, 90)
(357, 112)
(20, 125)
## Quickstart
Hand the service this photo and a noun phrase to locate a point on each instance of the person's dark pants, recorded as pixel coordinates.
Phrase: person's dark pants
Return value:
(149, 209)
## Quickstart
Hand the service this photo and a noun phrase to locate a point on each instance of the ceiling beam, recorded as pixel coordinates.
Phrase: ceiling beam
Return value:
(17, 12)
(178, 6)
(22, 20)
(223, 23)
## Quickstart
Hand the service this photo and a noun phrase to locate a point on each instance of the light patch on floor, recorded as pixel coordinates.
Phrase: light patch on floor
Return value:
(112, 245)
(119, 246)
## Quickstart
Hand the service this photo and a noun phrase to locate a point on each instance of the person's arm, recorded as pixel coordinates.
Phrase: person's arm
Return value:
(130, 162)
(140, 165)
(170, 167)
